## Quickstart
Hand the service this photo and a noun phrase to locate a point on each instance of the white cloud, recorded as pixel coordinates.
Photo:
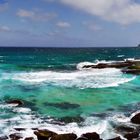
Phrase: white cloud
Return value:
(120, 11)
(63, 24)
(35, 15)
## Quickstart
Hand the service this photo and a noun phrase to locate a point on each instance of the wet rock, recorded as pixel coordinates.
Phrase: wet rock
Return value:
(136, 119)
(69, 136)
(125, 129)
(3, 138)
(19, 129)
(77, 119)
(64, 105)
(91, 136)
(15, 136)
(34, 128)
(16, 102)
(119, 64)
(44, 134)
(131, 136)
(117, 138)
(136, 67)
(131, 71)
(29, 138)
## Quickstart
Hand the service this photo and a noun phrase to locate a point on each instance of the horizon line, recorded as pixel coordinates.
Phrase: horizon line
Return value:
(68, 47)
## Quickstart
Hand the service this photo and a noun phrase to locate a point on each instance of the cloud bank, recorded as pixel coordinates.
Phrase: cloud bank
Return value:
(120, 11)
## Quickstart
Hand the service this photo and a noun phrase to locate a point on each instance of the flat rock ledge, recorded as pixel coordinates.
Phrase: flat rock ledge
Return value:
(126, 66)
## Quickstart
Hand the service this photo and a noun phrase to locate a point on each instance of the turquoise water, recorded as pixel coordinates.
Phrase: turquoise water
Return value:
(52, 83)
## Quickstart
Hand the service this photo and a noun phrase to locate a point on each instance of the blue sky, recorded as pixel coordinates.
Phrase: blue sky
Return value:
(69, 23)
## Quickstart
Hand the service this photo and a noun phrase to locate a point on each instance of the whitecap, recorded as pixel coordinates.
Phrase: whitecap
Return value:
(93, 78)
(120, 56)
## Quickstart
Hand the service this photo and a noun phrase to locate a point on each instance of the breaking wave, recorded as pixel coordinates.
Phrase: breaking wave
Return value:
(92, 78)
(28, 121)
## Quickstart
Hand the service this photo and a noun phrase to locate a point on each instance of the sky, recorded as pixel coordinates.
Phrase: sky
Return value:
(70, 23)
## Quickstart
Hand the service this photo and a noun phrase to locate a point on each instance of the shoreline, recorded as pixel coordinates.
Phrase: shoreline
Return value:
(124, 128)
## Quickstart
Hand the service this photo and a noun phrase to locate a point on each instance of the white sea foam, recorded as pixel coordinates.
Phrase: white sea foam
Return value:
(93, 78)
(120, 55)
(22, 110)
(91, 124)
(28, 121)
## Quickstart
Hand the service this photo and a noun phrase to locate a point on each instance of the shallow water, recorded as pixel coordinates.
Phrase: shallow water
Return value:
(53, 86)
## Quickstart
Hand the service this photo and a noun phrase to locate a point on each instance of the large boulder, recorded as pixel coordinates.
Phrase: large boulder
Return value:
(15, 136)
(131, 136)
(44, 134)
(91, 136)
(136, 119)
(69, 136)
(124, 129)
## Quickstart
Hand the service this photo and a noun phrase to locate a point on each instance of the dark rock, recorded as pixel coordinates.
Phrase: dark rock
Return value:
(64, 105)
(128, 64)
(19, 129)
(91, 136)
(16, 102)
(121, 64)
(117, 138)
(100, 66)
(69, 136)
(3, 138)
(136, 119)
(29, 138)
(131, 71)
(124, 129)
(34, 128)
(15, 136)
(77, 119)
(44, 134)
(131, 136)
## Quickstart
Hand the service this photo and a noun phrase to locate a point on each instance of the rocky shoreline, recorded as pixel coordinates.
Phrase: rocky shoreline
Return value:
(128, 132)
(128, 66)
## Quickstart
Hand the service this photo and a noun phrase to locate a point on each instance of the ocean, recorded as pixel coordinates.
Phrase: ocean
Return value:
(61, 96)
